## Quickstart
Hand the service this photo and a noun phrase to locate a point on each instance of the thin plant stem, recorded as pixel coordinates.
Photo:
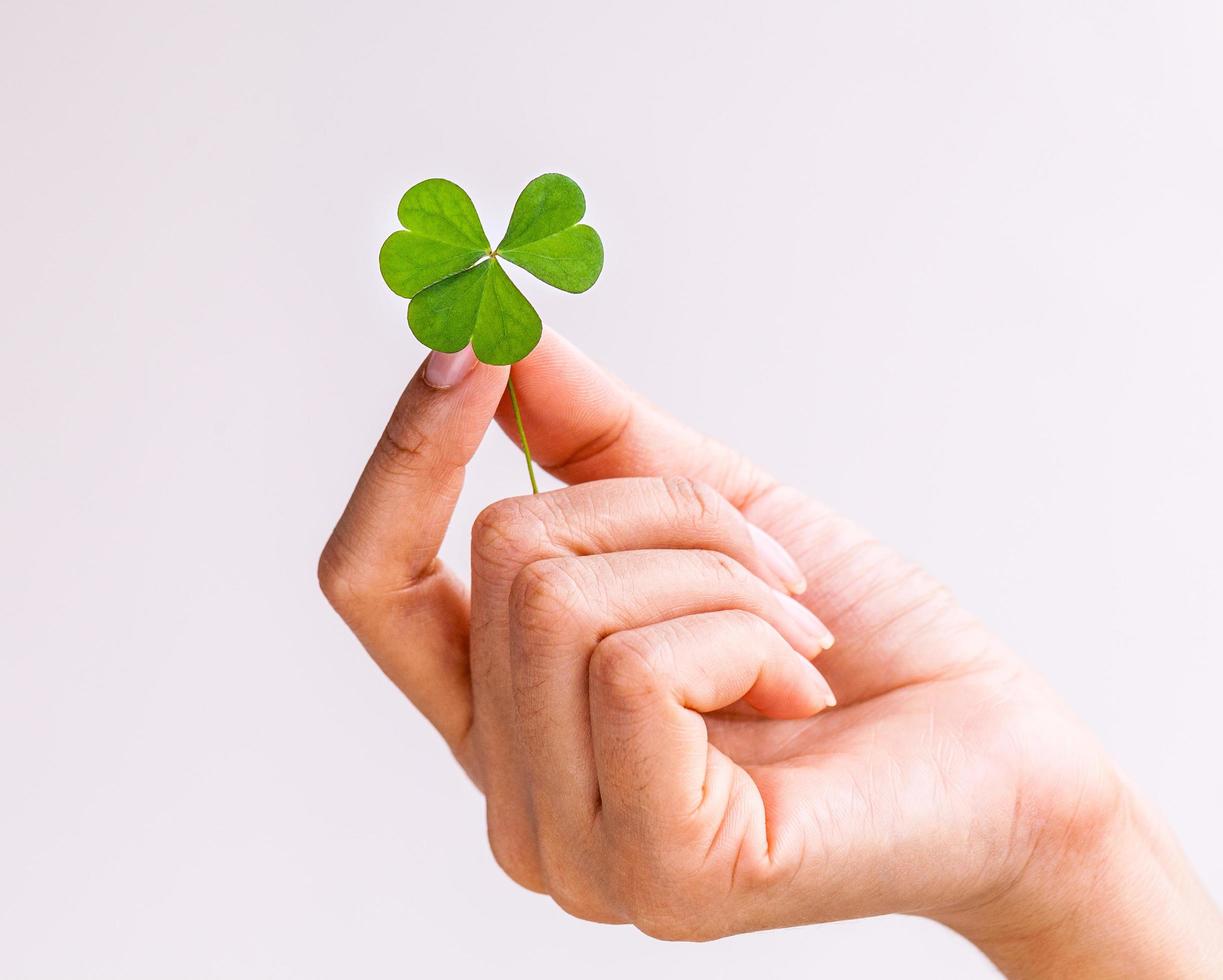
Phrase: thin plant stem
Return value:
(522, 435)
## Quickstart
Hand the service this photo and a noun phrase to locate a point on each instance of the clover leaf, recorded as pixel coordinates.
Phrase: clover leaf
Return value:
(458, 292)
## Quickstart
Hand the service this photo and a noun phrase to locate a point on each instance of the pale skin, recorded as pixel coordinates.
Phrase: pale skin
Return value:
(650, 718)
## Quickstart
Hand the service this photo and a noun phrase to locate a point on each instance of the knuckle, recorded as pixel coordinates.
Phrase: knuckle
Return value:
(673, 926)
(671, 893)
(402, 444)
(669, 909)
(744, 622)
(577, 898)
(515, 853)
(506, 533)
(694, 500)
(353, 584)
(626, 666)
(727, 570)
(546, 596)
(339, 577)
(573, 869)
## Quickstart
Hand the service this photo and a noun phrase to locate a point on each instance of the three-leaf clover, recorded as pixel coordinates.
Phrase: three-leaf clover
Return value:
(458, 292)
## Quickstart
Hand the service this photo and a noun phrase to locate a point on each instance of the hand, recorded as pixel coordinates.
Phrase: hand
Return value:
(636, 699)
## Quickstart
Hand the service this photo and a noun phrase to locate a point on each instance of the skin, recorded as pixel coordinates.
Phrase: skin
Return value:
(649, 722)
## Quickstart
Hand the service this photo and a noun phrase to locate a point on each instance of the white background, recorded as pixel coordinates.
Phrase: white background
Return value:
(954, 267)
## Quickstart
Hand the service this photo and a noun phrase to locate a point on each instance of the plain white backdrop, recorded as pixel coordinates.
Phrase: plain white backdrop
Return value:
(954, 267)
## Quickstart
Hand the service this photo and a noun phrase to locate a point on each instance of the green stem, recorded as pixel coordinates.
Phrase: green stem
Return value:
(522, 435)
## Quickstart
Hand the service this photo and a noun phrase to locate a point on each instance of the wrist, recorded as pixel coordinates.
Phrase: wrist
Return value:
(1108, 894)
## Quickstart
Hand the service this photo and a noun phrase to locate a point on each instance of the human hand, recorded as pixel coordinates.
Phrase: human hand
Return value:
(635, 701)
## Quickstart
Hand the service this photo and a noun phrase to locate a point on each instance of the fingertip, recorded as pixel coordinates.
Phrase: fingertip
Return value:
(821, 693)
(777, 560)
(790, 687)
(816, 635)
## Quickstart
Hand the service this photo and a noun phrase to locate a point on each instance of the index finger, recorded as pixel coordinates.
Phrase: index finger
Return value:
(380, 568)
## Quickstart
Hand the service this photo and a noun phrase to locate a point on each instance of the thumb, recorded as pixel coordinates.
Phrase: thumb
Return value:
(583, 424)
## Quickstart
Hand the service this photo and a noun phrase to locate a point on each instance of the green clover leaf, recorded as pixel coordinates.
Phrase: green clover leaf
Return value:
(458, 292)
(544, 236)
(443, 236)
(481, 306)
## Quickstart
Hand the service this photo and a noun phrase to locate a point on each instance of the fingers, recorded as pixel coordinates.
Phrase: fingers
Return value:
(380, 568)
(688, 834)
(625, 515)
(607, 517)
(401, 506)
(654, 604)
(552, 685)
(575, 600)
(584, 425)
(762, 668)
(660, 782)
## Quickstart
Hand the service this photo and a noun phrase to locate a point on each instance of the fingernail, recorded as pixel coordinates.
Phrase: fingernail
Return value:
(447, 370)
(830, 699)
(805, 620)
(778, 559)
